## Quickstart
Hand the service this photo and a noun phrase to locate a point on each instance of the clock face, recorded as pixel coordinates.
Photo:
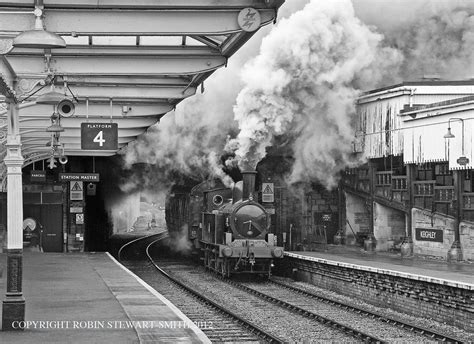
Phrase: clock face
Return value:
(29, 223)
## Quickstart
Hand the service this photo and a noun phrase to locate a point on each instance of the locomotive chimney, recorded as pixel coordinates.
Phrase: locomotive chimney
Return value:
(248, 178)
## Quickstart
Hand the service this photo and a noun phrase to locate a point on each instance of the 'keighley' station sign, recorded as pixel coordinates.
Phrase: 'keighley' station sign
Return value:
(429, 234)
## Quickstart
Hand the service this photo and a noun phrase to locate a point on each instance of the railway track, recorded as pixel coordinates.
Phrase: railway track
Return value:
(348, 318)
(361, 324)
(287, 325)
(218, 323)
(408, 326)
(135, 249)
(201, 303)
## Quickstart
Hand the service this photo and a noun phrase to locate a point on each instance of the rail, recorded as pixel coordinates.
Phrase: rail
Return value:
(256, 329)
(160, 236)
(319, 318)
(402, 324)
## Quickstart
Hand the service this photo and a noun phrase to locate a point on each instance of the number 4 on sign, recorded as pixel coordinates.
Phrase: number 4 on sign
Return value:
(99, 138)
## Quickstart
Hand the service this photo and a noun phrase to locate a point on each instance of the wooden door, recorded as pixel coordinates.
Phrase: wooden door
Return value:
(52, 221)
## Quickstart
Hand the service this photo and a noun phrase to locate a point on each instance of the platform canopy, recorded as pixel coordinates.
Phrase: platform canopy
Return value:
(125, 62)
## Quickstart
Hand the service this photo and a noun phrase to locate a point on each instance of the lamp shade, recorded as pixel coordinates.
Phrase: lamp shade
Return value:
(50, 98)
(38, 38)
(55, 128)
(449, 134)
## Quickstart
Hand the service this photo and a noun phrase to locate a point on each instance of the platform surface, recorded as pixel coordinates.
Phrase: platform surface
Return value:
(90, 298)
(435, 271)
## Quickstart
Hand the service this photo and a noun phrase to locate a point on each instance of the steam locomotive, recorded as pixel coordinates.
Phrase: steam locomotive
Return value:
(227, 226)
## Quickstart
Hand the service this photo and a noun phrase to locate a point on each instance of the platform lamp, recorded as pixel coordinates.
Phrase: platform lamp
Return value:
(38, 37)
(450, 135)
(455, 252)
(55, 126)
(13, 307)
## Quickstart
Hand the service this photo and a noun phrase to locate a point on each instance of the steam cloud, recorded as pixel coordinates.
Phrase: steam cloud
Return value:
(442, 44)
(303, 84)
(191, 140)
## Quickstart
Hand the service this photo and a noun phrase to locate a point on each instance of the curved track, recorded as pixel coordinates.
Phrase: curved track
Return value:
(135, 249)
(292, 327)
(335, 315)
(218, 323)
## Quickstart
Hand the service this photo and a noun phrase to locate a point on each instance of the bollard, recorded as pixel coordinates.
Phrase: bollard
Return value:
(370, 243)
(406, 248)
(455, 252)
(338, 239)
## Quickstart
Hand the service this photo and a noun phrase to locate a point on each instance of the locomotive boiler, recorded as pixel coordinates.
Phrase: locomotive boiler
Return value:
(230, 228)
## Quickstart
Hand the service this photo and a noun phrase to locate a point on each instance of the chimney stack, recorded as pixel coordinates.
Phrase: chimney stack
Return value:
(248, 178)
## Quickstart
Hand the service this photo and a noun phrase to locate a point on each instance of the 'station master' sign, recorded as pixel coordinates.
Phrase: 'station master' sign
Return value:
(99, 136)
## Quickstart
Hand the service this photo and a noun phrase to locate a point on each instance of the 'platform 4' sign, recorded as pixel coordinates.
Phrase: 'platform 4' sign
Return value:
(99, 136)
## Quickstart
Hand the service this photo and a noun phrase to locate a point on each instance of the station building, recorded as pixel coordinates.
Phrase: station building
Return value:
(416, 187)
(72, 96)
(413, 195)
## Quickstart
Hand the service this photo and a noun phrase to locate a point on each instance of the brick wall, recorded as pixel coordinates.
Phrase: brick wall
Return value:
(443, 303)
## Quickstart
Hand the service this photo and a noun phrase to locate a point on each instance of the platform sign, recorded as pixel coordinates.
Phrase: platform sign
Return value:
(99, 136)
(268, 195)
(37, 176)
(76, 189)
(463, 161)
(86, 177)
(429, 234)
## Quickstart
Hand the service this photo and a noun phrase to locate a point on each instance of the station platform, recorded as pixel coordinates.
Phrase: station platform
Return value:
(91, 298)
(459, 274)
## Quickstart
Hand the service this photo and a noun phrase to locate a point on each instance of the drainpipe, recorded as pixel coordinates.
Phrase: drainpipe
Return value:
(455, 252)
(406, 248)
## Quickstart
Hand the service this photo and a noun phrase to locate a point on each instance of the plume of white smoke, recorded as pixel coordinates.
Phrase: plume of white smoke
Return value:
(192, 139)
(435, 37)
(303, 84)
(124, 212)
(441, 44)
(179, 242)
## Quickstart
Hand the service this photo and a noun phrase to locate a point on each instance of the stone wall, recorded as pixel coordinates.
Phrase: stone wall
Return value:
(389, 227)
(357, 216)
(426, 219)
(466, 236)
